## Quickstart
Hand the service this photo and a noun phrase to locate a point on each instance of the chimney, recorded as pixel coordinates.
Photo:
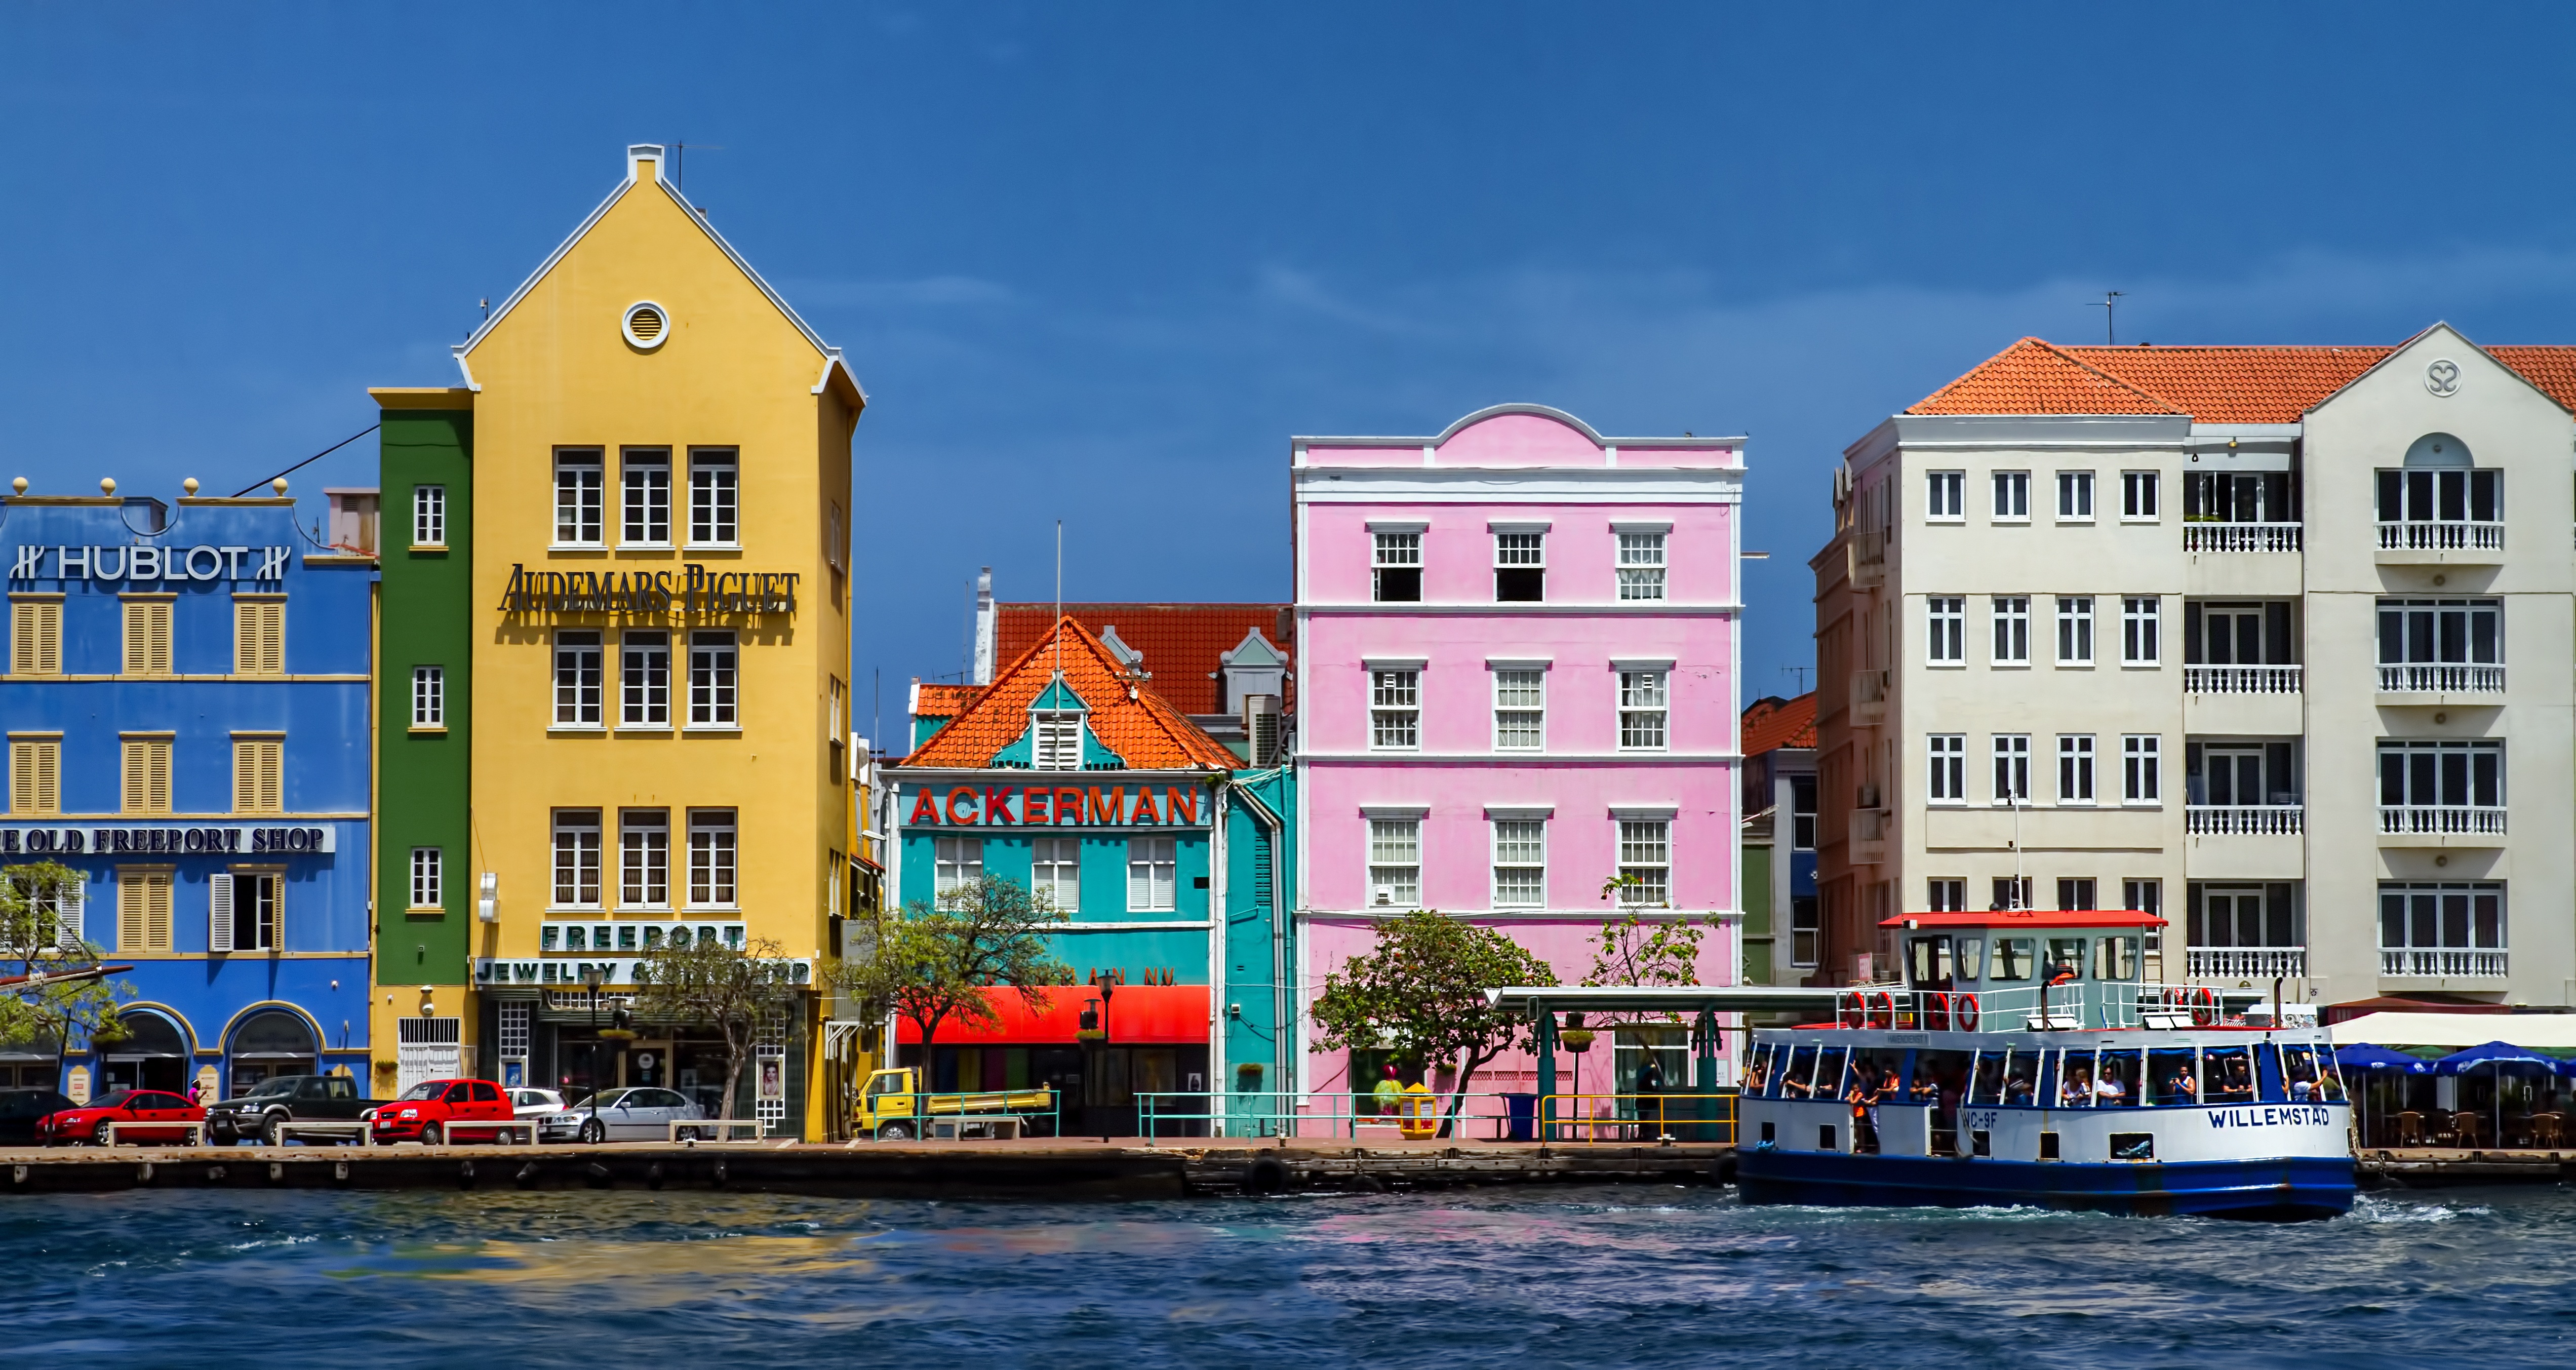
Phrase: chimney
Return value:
(984, 627)
(643, 162)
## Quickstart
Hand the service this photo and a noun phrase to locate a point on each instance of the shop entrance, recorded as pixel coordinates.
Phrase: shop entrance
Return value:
(270, 1044)
(151, 1055)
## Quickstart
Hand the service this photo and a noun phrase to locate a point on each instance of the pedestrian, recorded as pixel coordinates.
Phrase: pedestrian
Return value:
(1389, 1093)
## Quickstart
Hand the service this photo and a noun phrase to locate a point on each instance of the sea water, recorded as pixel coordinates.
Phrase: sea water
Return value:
(1613, 1276)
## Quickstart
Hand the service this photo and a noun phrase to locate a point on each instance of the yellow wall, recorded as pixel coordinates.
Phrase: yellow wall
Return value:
(555, 370)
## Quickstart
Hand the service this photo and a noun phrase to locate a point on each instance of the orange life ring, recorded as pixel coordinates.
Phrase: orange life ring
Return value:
(1853, 1012)
(1884, 1015)
(2204, 1006)
(1936, 1011)
(1964, 1011)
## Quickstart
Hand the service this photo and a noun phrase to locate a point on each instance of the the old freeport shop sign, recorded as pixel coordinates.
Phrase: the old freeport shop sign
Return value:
(693, 589)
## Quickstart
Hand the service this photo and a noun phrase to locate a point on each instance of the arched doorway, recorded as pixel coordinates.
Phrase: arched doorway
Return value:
(268, 1043)
(153, 1054)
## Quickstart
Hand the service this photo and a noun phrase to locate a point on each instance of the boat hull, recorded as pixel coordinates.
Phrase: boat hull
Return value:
(2278, 1188)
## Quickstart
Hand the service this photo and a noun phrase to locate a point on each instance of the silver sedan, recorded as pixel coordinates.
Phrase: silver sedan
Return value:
(641, 1114)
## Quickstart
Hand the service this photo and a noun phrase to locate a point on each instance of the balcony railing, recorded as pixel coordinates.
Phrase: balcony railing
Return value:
(2247, 963)
(2240, 537)
(2458, 536)
(2441, 819)
(2243, 820)
(1868, 697)
(2241, 680)
(2445, 964)
(2433, 679)
(1869, 830)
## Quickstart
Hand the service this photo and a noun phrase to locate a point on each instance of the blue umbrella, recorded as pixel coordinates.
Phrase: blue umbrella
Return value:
(2497, 1054)
(2362, 1057)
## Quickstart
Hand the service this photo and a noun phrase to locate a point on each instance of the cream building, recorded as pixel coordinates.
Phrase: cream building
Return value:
(2273, 640)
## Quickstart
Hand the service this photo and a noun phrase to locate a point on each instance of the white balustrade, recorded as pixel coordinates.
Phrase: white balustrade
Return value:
(2441, 820)
(2449, 536)
(2247, 963)
(2243, 820)
(2242, 680)
(2444, 963)
(2433, 678)
(2240, 537)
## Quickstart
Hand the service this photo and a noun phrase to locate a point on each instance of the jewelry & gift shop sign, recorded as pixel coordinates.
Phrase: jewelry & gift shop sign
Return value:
(692, 590)
(615, 970)
(172, 840)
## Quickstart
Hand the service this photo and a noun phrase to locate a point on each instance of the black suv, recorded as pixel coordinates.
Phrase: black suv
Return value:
(19, 1110)
(283, 1098)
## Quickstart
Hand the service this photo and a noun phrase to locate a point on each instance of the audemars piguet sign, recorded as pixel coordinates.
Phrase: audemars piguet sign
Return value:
(692, 590)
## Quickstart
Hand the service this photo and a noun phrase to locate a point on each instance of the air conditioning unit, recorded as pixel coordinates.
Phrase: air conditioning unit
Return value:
(1386, 896)
(488, 908)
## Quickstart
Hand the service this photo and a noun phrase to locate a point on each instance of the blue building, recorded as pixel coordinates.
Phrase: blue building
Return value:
(187, 715)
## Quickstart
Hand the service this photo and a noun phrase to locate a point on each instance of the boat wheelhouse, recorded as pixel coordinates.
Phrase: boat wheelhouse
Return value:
(2024, 1060)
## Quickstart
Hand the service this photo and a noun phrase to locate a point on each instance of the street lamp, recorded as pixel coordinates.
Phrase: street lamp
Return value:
(592, 974)
(1094, 1034)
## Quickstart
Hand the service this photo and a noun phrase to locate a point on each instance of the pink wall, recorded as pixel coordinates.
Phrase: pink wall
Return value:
(1458, 550)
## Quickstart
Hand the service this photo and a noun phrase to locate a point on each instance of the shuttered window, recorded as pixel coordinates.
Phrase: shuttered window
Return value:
(147, 775)
(259, 636)
(142, 910)
(147, 637)
(259, 774)
(35, 777)
(36, 637)
(243, 910)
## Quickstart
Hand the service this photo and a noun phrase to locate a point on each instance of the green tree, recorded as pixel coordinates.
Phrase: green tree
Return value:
(1421, 990)
(932, 962)
(53, 988)
(705, 983)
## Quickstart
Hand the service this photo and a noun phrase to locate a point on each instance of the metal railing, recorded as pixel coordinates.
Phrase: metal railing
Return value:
(1565, 1116)
(718, 1127)
(2242, 680)
(978, 1105)
(2450, 535)
(2240, 537)
(2246, 963)
(2080, 1003)
(2442, 819)
(2445, 963)
(2434, 678)
(340, 1130)
(2243, 820)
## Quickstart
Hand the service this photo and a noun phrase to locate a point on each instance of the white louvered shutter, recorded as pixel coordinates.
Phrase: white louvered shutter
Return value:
(67, 924)
(219, 913)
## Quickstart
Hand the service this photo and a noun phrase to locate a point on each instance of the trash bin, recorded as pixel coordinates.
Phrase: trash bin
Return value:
(1523, 1114)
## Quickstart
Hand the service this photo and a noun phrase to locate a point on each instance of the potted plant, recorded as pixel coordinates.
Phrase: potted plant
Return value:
(1576, 1037)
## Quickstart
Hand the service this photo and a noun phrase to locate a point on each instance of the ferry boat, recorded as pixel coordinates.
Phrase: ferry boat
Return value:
(2023, 1060)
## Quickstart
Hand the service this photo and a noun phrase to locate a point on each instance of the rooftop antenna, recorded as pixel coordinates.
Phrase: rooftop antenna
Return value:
(486, 302)
(1059, 599)
(2109, 305)
(680, 163)
(1800, 672)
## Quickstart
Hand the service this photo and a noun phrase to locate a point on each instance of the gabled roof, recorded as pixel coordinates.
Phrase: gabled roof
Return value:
(1125, 713)
(1773, 723)
(941, 701)
(2210, 384)
(1183, 645)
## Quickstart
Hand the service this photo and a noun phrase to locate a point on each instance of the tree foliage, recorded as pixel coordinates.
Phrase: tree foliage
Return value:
(932, 962)
(31, 944)
(1421, 990)
(735, 991)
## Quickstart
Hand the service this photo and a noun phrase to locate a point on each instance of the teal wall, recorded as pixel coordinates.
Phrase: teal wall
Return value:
(1258, 1036)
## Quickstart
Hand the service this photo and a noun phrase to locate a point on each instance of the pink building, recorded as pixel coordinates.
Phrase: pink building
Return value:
(1517, 680)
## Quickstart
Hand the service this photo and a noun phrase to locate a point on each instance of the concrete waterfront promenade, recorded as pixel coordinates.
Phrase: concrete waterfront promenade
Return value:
(1052, 1168)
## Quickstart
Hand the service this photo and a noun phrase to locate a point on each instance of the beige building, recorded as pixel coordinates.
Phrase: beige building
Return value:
(2275, 641)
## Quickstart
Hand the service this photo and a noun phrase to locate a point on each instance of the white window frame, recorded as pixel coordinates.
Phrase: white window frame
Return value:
(1945, 497)
(2142, 630)
(1515, 834)
(581, 516)
(2011, 637)
(238, 917)
(644, 858)
(2075, 769)
(580, 679)
(715, 859)
(1641, 564)
(428, 516)
(429, 697)
(1395, 709)
(641, 500)
(1945, 894)
(2075, 630)
(576, 860)
(2011, 753)
(1055, 869)
(1395, 862)
(2142, 768)
(1520, 549)
(1646, 852)
(1945, 758)
(1645, 709)
(2075, 497)
(2012, 496)
(715, 497)
(1153, 867)
(715, 680)
(956, 862)
(428, 878)
(2141, 498)
(644, 680)
(1945, 631)
(1520, 709)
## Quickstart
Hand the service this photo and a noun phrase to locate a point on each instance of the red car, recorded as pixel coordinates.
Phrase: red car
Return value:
(84, 1125)
(432, 1111)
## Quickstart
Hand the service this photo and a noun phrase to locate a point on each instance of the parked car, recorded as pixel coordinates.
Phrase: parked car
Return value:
(279, 1099)
(428, 1112)
(639, 1114)
(22, 1109)
(536, 1103)
(81, 1125)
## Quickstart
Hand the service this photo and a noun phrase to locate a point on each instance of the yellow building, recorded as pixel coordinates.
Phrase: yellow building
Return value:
(654, 711)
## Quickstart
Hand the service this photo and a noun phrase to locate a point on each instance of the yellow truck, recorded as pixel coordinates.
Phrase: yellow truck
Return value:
(893, 1108)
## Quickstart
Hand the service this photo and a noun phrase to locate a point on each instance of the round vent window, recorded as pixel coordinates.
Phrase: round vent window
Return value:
(646, 325)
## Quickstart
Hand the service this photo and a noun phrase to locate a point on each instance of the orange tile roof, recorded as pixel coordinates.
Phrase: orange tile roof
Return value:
(1146, 731)
(1771, 723)
(943, 701)
(2211, 384)
(1180, 642)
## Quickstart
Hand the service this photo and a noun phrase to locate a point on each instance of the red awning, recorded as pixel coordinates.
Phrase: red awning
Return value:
(1137, 1016)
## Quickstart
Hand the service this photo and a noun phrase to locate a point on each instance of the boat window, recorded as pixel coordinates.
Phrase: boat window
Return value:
(1929, 962)
(2065, 953)
(2021, 1076)
(2227, 1075)
(2115, 1078)
(1757, 1069)
(2173, 1075)
(1830, 1082)
(2075, 1078)
(1796, 1081)
(1987, 1086)
(2012, 958)
(1940, 1078)
(1875, 1074)
(2115, 958)
(1972, 958)
(2299, 1073)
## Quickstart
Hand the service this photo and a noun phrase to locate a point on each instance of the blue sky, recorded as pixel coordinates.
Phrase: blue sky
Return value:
(1099, 262)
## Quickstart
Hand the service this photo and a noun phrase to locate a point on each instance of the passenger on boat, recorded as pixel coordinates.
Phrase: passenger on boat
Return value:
(2301, 1091)
(2018, 1090)
(2077, 1090)
(2179, 1088)
(1757, 1076)
(2240, 1079)
(2108, 1091)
